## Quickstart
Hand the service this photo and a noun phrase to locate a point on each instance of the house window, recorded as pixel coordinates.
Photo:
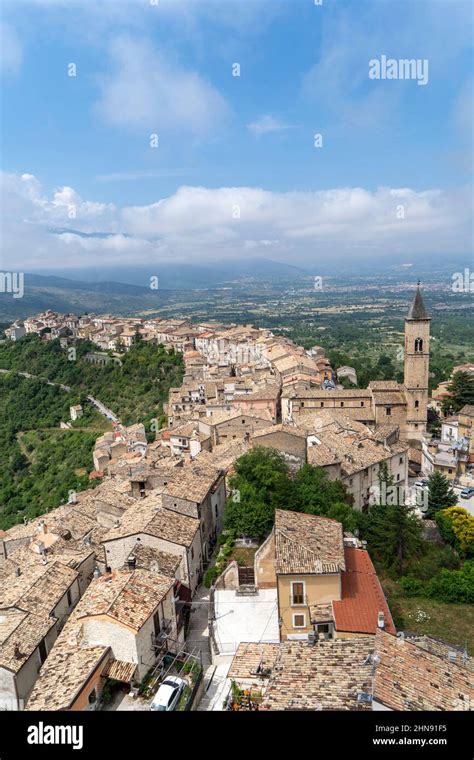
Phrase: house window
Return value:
(450, 471)
(192, 553)
(42, 651)
(398, 476)
(418, 345)
(400, 461)
(299, 620)
(92, 697)
(297, 593)
(69, 598)
(322, 628)
(302, 403)
(388, 410)
(342, 403)
(156, 623)
(362, 403)
(350, 481)
(322, 403)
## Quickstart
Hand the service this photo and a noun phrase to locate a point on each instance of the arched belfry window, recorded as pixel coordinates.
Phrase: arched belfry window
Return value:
(418, 345)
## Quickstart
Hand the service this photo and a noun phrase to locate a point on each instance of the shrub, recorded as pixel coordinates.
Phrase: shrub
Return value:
(210, 576)
(456, 526)
(433, 559)
(454, 586)
(411, 586)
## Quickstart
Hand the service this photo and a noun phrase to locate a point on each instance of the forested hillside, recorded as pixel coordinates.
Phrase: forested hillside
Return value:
(134, 391)
(39, 463)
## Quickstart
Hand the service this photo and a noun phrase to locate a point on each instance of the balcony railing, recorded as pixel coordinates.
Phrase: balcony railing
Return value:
(158, 639)
(298, 600)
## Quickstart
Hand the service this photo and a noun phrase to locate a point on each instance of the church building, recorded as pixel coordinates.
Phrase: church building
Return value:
(384, 401)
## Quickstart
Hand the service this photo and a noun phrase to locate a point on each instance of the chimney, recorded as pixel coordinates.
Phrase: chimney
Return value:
(17, 651)
(381, 620)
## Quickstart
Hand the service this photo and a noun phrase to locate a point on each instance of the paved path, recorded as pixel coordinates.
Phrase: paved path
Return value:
(103, 409)
(213, 698)
(98, 404)
(37, 377)
(198, 631)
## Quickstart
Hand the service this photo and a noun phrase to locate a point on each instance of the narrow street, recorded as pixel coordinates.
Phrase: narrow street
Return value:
(215, 676)
(198, 631)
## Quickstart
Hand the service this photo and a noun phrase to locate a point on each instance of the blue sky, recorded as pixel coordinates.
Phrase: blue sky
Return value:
(76, 152)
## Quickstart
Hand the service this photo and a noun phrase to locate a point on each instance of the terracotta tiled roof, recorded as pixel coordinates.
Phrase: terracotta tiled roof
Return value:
(328, 675)
(442, 649)
(20, 633)
(63, 675)
(408, 677)
(149, 558)
(193, 483)
(129, 598)
(321, 613)
(322, 456)
(307, 543)
(281, 428)
(362, 596)
(148, 516)
(253, 660)
(39, 588)
(384, 385)
(120, 671)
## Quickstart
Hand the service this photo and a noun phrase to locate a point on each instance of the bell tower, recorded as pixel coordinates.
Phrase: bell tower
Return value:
(416, 370)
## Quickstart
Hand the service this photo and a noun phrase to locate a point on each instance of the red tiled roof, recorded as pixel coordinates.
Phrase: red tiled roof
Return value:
(362, 596)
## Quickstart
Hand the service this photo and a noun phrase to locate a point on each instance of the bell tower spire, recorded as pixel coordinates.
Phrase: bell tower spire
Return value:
(416, 369)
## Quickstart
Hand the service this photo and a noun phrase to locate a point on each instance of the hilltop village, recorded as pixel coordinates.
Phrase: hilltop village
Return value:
(107, 589)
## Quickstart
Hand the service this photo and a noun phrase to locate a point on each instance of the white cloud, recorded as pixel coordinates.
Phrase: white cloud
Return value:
(199, 223)
(267, 123)
(12, 52)
(149, 92)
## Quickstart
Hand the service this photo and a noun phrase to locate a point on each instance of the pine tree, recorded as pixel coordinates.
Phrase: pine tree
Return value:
(393, 530)
(440, 494)
(394, 535)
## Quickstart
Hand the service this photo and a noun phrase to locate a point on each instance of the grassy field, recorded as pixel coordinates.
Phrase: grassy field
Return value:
(453, 623)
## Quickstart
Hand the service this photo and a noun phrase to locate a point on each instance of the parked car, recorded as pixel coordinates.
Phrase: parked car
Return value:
(167, 696)
(466, 493)
(421, 484)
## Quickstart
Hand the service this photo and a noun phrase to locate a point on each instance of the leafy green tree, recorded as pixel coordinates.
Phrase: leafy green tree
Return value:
(246, 514)
(456, 526)
(461, 389)
(262, 483)
(314, 491)
(440, 494)
(343, 513)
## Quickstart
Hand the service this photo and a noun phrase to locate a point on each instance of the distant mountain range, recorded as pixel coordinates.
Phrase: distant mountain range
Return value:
(128, 289)
(185, 276)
